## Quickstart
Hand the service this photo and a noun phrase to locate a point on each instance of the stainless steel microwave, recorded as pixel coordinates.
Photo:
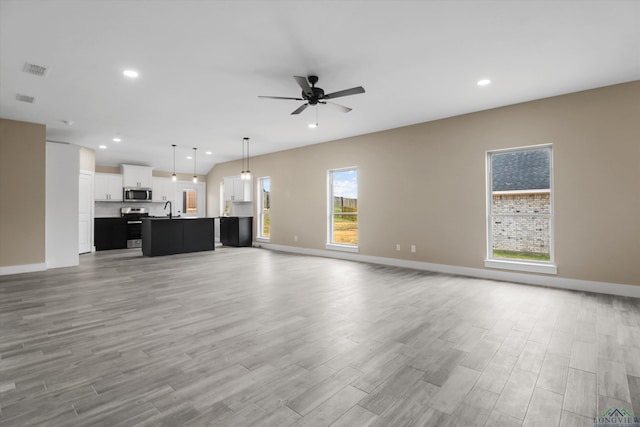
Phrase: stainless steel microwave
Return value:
(137, 194)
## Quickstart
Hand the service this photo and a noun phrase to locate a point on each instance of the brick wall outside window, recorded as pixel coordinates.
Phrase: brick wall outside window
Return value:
(521, 233)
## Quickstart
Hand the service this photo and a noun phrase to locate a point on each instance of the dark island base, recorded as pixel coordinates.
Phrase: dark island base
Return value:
(176, 236)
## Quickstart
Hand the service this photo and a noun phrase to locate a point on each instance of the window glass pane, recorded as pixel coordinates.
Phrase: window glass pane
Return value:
(521, 203)
(520, 199)
(521, 170)
(345, 207)
(521, 237)
(190, 202)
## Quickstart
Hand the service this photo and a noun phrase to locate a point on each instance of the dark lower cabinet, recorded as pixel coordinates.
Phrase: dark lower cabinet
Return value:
(110, 233)
(236, 231)
(176, 236)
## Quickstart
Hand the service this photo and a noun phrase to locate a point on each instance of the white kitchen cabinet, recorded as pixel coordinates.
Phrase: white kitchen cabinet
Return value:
(134, 176)
(107, 187)
(237, 190)
(163, 189)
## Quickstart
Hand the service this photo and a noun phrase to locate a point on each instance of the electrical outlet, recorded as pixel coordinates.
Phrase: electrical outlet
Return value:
(413, 249)
(295, 238)
(397, 247)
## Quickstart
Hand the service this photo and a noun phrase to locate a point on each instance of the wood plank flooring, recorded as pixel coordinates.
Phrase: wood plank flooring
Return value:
(250, 337)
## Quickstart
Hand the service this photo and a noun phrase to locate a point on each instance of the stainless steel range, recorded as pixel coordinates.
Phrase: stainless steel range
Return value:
(134, 225)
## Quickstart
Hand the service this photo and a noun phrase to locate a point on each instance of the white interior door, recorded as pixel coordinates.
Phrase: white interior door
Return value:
(85, 213)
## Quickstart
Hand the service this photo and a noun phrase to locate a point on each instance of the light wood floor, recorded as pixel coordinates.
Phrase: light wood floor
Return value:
(244, 336)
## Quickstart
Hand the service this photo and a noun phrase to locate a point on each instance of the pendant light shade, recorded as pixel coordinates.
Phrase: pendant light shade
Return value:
(245, 174)
(195, 177)
(174, 178)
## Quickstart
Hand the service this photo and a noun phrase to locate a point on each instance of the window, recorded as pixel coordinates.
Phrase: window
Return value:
(520, 209)
(343, 209)
(264, 208)
(190, 202)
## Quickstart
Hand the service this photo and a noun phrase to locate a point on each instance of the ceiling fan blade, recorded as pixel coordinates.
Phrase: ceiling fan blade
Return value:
(280, 97)
(302, 82)
(300, 109)
(346, 92)
(338, 106)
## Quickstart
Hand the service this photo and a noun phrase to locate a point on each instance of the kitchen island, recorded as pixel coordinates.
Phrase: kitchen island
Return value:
(164, 236)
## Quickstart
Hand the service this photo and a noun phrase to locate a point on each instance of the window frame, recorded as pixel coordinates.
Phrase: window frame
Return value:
(545, 267)
(260, 225)
(345, 247)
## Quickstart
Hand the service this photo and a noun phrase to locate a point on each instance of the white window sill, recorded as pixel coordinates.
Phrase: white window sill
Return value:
(343, 248)
(530, 267)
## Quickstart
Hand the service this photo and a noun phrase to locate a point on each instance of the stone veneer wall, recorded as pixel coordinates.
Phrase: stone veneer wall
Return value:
(521, 233)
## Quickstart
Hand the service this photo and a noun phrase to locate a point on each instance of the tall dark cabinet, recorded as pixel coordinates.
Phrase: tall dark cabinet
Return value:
(236, 231)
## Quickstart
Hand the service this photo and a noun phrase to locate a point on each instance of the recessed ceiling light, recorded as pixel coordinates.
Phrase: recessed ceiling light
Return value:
(208, 153)
(189, 157)
(484, 82)
(130, 73)
(102, 147)
(117, 139)
(313, 125)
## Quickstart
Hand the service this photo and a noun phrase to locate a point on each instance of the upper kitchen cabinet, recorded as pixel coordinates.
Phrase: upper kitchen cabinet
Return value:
(163, 189)
(237, 190)
(107, 187)
(136, 176)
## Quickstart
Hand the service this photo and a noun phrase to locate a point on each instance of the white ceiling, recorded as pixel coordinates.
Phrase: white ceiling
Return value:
(202, 65)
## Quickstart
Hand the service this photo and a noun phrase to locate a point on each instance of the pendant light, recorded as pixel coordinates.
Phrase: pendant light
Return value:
(174, 178)
(195, 177)
(242, 172)
(245, 174)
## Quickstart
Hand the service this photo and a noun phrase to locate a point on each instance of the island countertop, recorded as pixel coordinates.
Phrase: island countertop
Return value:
(164, 236)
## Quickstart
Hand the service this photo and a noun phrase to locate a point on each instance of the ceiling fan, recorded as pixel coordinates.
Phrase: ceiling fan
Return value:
(314, 95)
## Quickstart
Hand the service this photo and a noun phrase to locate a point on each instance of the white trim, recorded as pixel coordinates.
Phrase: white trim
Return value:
(489, 214)
(525, 147)
(24, 268)
(330, 244)
(507, 276)
(510, 192)
(531, 267)
(260, 209)
(263, 239)
(342, 248)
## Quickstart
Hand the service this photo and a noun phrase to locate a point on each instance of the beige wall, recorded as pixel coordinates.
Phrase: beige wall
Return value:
(87, 159)
(22, 193)
(424, 184)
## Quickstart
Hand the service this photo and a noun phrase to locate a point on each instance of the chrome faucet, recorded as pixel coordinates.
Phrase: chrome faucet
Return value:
(170, 208)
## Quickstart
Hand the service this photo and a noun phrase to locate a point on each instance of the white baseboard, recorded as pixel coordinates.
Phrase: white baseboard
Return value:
(507, 276)
(25, 268)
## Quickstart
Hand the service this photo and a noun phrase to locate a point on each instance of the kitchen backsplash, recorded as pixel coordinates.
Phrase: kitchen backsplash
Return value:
(112, 209)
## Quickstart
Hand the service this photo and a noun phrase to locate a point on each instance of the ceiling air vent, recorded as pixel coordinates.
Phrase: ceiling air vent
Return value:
(36, 70)
(25, 98)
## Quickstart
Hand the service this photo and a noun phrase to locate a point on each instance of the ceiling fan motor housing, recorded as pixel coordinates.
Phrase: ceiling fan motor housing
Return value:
(317, 93)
